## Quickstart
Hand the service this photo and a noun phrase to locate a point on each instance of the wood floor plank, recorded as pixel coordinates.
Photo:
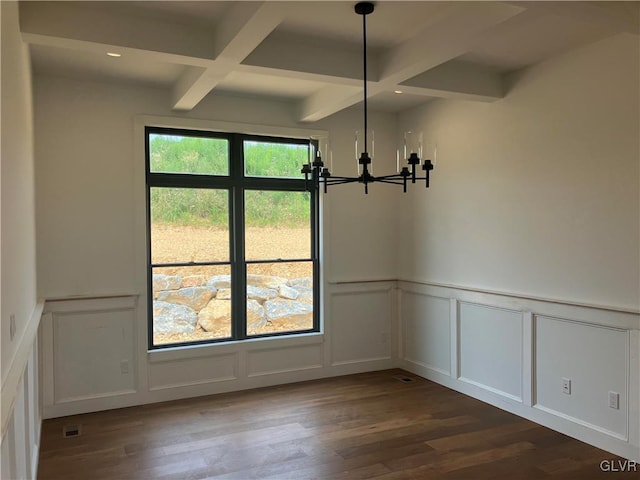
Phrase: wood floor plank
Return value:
(365, 426)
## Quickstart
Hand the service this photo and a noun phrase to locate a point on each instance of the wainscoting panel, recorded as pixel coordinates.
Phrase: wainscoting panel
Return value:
(361, 322)
(268, 361)
(426, 334)
(513, 352)
(96, 355)
(490, 348)
(93, 354)
(595, 359)
(21, 435)
(192, 371)
(88, 353)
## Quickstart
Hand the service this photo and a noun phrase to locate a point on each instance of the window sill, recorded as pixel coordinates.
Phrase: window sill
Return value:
(209, 350)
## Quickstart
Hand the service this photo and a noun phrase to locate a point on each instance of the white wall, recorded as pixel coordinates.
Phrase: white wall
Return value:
(522, 264)
(87, 198)
(18, 221)
(92, 257)
(20, 405)
(537, 194)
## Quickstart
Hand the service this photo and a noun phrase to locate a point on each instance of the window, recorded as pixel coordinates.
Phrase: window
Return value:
(233, 237)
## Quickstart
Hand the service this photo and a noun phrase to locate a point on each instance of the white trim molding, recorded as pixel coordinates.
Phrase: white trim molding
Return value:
(21, 406)
(11, 383)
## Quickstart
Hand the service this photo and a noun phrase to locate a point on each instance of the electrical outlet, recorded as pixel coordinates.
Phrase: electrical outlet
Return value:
(124, 366)
(566, 386)
(12, 326)
(614, 400)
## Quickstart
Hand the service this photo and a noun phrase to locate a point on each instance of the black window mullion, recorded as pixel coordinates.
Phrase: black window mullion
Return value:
(272, 139)
(257, 183)
(181, 180)
(238, 267)
(315, 255)
(279, 260)
(147, 157)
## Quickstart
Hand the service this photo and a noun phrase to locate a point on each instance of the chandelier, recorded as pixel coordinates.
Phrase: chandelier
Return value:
(315, 171)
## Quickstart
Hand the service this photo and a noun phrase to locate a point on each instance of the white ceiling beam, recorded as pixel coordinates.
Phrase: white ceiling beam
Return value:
(244, 27)
(239, 32)
(297, 74)
(194, 84)
(327, 101)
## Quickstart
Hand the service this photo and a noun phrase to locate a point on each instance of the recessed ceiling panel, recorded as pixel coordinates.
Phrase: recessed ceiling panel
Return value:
(530, 38)
(391, 23)
(65, 62)
(184, 12)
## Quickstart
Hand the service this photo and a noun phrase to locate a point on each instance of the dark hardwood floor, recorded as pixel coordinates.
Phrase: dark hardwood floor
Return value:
(362, 426)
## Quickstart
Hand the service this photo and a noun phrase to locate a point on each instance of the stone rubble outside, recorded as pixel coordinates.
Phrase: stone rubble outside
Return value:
(184, 305)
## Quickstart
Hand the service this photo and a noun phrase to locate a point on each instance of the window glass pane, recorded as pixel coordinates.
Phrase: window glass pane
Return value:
(282, 160)
(277, 225)
(189, 225)
(191, 303)
(279, 297)
(179, 154)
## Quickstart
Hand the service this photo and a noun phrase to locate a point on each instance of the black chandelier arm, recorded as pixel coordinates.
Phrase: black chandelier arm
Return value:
(387, 179)
(396, 180)
(395, 176)
(391, 181)
(318, 180)
(340, 180)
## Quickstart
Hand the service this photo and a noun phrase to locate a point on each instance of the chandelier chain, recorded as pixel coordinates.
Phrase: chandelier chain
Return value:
(364, 55)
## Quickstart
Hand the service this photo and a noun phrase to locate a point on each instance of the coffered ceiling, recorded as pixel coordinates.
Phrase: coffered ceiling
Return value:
(309, 53)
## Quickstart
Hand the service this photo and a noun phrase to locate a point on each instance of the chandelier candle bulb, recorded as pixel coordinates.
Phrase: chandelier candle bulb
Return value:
(328, 153)
(321, 147)
(412, 143)
(430, 152)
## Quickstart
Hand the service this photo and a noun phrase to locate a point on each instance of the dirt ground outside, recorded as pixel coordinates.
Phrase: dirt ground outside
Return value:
(176, 243)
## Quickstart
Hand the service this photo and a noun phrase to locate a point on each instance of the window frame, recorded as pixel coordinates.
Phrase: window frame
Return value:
(236, 183)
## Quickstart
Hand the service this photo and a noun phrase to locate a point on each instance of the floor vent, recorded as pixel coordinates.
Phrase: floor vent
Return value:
(71, 430)
(405, 379)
